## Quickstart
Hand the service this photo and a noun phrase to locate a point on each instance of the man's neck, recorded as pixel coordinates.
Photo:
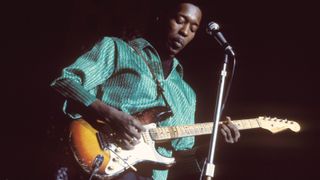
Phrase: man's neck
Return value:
(166, 67)
(165, 58)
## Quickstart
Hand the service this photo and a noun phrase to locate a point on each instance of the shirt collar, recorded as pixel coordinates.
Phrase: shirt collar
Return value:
(177, 66)
(141, 44)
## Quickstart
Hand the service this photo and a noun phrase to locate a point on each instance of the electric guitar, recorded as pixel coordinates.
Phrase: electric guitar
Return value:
(98, 153)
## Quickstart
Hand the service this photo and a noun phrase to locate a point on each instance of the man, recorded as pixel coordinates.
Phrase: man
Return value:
(115, 79)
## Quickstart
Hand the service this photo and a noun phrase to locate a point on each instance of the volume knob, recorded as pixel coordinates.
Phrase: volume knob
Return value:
(111, 167)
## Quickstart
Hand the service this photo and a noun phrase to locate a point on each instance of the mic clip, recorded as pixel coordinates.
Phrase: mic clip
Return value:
(230, 51)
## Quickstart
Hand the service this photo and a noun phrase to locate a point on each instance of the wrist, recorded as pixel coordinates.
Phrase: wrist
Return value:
(100, 109)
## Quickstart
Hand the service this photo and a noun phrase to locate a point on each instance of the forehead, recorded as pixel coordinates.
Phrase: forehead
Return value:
(190, 11)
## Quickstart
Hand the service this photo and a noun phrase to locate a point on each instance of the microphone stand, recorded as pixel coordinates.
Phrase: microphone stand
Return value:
(209, 166)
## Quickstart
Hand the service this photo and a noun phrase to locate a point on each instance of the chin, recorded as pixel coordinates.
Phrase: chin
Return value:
(173, 52)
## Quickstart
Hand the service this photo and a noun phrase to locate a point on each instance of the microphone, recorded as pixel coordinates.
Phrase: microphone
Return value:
(213, 30)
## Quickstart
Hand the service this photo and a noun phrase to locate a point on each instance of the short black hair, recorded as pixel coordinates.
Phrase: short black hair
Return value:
(165, 9)
(157, 16)
(176, 3)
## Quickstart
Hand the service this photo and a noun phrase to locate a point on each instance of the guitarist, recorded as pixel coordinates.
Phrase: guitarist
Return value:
(117, 78)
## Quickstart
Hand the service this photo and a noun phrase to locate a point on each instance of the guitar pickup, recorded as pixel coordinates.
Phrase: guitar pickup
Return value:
(164, 115)
(102, 139)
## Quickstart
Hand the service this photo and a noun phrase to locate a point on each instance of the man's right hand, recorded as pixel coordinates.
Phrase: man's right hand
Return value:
(128, 129)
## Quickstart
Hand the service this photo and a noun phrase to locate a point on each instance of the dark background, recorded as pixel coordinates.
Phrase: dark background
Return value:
(276, 75)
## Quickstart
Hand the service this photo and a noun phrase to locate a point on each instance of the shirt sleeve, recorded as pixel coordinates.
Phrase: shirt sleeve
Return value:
(183, 143)
(78, 80)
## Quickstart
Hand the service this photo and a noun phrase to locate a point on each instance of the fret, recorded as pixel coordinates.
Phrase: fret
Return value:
(166, 133)
(195, 130)
(183, 131)
(245, 124)
(175, 132)
(171, 132)
(191, 130)
(187, 130)
(238, 124)
(207, 128)
(198, 130)
(159, 132)
(153, 134)
(254, 123)
(180, 130)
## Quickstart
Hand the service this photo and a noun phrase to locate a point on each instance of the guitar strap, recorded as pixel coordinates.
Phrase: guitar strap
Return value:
(159, 87)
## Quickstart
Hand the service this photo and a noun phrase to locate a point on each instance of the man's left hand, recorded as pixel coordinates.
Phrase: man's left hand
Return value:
(229, 131)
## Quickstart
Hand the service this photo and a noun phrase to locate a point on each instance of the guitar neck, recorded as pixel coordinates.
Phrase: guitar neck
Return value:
(173, 132)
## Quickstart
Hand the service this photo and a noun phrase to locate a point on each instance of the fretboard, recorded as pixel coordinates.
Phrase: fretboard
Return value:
(173, 132)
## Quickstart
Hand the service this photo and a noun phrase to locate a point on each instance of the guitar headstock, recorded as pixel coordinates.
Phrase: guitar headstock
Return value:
(276, 125)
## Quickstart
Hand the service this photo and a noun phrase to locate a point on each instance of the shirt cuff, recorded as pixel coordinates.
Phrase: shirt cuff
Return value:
(71, 89)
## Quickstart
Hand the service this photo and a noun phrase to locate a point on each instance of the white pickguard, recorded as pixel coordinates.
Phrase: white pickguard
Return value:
(143, 152)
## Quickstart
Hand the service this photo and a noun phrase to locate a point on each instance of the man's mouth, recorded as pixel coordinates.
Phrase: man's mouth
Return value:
(177, 43)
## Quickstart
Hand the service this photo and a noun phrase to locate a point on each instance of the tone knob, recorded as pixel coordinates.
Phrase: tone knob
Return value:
(118, 149)
(111, 167)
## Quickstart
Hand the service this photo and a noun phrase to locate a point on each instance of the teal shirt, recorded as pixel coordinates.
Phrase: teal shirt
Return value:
(115, 73)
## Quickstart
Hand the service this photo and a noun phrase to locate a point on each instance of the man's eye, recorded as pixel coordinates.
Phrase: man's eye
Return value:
(179, 20)
(194, 28)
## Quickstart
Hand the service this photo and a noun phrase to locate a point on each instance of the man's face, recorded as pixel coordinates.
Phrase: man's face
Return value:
(182, 27)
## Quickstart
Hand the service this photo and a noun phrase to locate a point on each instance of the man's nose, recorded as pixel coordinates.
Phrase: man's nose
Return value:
(184, 30)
